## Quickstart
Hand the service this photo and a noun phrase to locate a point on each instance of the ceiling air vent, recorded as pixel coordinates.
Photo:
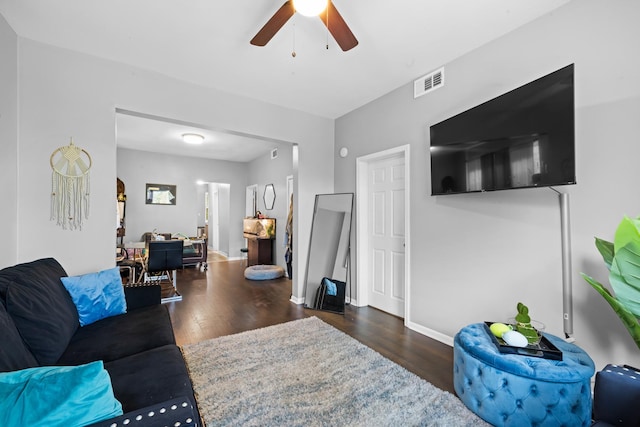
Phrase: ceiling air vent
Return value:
(431, 81)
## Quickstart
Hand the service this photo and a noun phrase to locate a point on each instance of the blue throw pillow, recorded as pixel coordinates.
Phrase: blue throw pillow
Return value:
(97, 295)
(57, 396)
(332, 289)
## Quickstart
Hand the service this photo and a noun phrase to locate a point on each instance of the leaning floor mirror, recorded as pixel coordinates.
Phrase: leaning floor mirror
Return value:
(329, 250)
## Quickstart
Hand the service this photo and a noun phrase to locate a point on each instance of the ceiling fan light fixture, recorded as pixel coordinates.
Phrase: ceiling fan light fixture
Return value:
(192, 138)
(310, 7)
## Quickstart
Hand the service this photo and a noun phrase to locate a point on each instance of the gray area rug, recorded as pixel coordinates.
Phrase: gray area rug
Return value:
(308, 373)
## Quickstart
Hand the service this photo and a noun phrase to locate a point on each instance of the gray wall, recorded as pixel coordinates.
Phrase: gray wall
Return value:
(64, 93)
(9, 141)
(473, 257)
(263, 171)
(136, 168)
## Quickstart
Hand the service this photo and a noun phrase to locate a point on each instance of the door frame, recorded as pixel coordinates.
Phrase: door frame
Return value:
(363, 165)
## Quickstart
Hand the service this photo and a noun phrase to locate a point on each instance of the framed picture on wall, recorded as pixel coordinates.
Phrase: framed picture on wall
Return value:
(160, 194)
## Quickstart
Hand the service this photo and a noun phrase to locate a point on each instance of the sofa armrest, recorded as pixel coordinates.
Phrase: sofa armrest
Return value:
(139, 296)
(179, 412)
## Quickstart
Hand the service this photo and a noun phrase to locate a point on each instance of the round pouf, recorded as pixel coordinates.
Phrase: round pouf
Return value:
(517, 390)
(263, 272)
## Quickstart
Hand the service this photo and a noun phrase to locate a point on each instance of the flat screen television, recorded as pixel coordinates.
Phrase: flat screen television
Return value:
(521, 139)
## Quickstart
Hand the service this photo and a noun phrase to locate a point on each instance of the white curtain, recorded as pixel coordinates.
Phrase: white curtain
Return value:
(474, 175)
(522, 165)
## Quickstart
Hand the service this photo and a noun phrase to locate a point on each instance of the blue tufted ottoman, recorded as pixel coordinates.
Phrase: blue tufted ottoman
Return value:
(516, 390)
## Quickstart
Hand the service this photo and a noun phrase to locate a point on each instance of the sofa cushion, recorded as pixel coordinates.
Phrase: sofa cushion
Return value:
(150, 377)
(44, 269)
(14, 354)
(44, 313)
(57, 396)
(96, 295)
(119, 336)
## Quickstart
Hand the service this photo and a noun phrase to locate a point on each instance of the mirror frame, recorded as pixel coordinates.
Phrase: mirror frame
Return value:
(160, 188)
(270, 193)
(314, 226)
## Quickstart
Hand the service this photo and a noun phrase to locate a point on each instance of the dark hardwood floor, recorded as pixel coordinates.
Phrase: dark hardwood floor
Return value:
(221, 301)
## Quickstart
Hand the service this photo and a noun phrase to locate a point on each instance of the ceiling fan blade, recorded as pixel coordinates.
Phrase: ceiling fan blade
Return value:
(274, 24)
(338, 28)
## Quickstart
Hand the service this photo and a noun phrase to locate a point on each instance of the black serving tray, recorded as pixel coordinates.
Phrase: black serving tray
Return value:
(544, 349)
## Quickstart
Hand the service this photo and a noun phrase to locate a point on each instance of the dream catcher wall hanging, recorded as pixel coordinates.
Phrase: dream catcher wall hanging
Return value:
(70, 186)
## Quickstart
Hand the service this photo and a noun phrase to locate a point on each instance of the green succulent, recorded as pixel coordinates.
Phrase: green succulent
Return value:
(523, 324)
(622, 258)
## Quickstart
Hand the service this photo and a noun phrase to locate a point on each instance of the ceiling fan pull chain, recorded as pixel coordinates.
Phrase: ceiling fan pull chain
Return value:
(327, 10)
(293, 52)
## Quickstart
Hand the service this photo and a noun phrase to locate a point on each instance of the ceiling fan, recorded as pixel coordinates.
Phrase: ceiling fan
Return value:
(328, 14)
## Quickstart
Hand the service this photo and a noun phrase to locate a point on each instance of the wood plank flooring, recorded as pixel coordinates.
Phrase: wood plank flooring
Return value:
(221, 301)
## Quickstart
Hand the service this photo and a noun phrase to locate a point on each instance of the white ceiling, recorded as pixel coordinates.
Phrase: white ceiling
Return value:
(160, 135)
(206, 42)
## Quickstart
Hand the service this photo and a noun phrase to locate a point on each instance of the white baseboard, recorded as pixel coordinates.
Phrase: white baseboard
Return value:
(438, 336)
(297, 300)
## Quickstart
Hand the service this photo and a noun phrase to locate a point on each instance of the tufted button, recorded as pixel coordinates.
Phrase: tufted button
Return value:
(533, 390)
(492, 395)
(519, 404)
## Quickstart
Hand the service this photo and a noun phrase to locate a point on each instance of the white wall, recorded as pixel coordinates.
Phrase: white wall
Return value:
(474, 256)
(64, 93)
(8, 141)
(137, 168)
(263, 171)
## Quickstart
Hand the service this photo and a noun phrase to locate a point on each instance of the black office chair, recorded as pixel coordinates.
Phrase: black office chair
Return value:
(164, 258)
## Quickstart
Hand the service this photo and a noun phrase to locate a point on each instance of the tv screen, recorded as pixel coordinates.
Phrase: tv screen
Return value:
(523, 138)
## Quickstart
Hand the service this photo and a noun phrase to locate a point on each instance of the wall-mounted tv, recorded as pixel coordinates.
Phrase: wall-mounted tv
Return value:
(523, 138)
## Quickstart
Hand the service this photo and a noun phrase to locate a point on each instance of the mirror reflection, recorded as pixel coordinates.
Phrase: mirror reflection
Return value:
(329, 249)
(269, 196)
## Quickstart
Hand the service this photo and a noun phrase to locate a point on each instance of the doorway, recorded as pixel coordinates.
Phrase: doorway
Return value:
(383, 231)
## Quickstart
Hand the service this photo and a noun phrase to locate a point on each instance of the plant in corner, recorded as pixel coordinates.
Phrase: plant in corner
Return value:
(622, 258)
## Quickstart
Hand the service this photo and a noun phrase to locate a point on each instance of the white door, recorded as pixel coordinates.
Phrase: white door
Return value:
(386, 234)
(250, 200)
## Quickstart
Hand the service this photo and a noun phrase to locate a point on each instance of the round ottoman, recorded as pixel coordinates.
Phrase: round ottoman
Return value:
(517, 390)
(263, 272)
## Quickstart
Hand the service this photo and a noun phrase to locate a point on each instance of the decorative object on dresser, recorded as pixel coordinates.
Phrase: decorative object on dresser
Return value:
(260, 234)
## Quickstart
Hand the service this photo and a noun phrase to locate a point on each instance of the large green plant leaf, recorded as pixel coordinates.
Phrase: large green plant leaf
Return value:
(628, 231)
(606, 250)
(624, 276)
(628, 319)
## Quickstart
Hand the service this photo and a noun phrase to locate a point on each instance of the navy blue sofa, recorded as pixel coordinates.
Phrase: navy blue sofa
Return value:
(39, 327)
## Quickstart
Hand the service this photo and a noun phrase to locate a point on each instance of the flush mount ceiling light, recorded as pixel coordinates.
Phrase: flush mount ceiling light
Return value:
(310, 7)
(192, 138)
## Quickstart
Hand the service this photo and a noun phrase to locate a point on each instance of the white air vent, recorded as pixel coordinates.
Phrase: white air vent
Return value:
(426, 84)
(274, 153)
